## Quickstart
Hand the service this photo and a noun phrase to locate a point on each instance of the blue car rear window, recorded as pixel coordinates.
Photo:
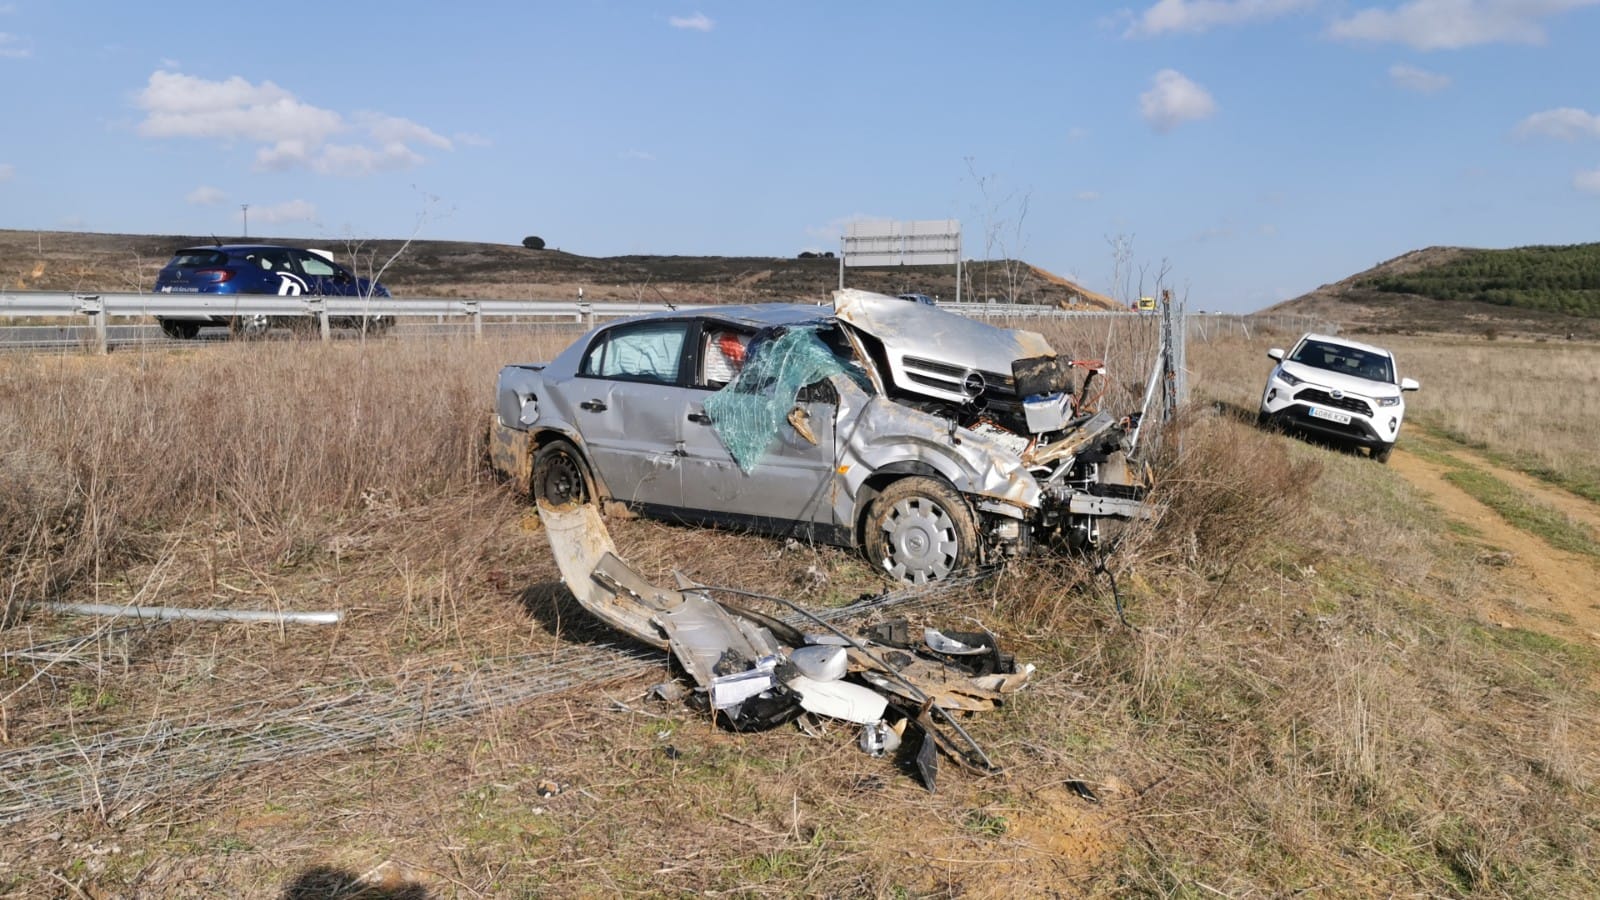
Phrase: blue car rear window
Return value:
(199, 259)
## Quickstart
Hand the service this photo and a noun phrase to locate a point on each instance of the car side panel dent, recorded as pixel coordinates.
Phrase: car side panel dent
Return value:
(886, 434)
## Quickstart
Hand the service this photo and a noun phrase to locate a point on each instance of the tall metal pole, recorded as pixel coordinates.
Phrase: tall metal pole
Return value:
(245, 208)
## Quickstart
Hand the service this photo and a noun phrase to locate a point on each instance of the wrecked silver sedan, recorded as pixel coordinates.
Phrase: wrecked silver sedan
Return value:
(933, 441)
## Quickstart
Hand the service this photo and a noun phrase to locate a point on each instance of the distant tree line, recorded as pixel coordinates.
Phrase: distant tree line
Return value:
(1557, 279)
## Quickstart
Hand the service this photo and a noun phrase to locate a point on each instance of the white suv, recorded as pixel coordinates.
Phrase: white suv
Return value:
(1339, 389)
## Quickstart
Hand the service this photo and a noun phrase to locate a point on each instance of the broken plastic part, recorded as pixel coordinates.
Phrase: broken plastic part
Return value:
(938, 642)
(821, 663)
(839, 699)
(877, 739)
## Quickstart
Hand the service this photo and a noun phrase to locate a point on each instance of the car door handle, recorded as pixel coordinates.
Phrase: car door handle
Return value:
(699, 418)
(592, 406)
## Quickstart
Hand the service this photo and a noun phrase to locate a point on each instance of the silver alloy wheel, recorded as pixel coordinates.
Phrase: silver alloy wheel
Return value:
(253, 326)
(922, 541)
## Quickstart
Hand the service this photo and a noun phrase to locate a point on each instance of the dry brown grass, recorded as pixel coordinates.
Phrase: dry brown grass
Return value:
(1306, 704)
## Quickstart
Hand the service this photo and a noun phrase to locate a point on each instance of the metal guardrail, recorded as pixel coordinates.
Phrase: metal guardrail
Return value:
(99, 307)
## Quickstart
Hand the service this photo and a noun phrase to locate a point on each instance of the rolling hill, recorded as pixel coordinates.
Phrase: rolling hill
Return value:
(1536, 291)
(45, 260)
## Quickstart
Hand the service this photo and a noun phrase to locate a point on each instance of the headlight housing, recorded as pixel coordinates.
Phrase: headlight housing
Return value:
(1388, 401)
(1288, 379)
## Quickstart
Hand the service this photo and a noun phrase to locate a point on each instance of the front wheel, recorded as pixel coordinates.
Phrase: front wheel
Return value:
(1381, 453)
(919, 530)
(559, 478)
(250, 327)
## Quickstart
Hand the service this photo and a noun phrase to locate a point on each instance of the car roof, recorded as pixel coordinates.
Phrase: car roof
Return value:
(755, 315)
(1345, 342)
(228, 247)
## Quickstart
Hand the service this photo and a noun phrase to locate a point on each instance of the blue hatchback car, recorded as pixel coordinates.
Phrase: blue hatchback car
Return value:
(262, 269)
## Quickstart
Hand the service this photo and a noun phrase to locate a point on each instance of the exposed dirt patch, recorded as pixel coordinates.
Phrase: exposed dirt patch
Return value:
(1538, 587)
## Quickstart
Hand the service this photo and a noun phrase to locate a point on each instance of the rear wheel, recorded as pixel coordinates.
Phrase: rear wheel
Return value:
(559, 477)
(919, 530)
(180, 331)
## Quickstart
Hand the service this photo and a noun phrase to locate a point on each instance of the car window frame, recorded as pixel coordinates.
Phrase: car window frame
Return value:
(685, 353)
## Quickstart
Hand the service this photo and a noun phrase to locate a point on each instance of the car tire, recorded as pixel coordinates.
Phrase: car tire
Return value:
(250, 327)
(1381, 453)
(559, 476)
(1263, 420)
(920, 530)
(180, 331)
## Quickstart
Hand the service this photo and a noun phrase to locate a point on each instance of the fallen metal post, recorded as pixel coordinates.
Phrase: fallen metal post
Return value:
(195, 615)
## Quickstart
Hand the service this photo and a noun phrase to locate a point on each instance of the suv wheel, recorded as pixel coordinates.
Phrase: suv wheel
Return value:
(1381, 452)
(919, 530)
(559, 478)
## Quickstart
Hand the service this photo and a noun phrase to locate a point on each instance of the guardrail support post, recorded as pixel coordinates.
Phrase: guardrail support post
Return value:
(91, 306)
(321, 309)
(473, 310)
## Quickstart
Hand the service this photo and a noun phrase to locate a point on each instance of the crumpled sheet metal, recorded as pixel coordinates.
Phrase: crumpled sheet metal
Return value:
(580, 543)
(754, 679)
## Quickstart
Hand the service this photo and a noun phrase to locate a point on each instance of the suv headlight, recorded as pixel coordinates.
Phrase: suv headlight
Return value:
(1288, 379)
(1388, 401)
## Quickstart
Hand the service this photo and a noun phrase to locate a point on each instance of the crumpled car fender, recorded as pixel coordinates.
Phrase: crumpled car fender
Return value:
(887, 436)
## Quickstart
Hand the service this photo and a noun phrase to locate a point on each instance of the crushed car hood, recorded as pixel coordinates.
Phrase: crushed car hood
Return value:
(936, 352)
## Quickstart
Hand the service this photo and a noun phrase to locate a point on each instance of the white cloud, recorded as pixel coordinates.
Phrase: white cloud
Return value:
(696, 22)
(1587, 181)
(293, 133)
(178, 105)
(7, 170)
(205, 195)
(1453, 24)
(1088, 196)
(394, 130)
(1420, 80)
(168, 62)
(1202, 15)
(291, 211)
(1173, 100)
(1077, 133)
(470, 139)
(637, 154)
(1565, 124)
(13, 47)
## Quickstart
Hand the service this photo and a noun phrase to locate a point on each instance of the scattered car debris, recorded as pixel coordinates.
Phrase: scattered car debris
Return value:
(932, 441)
(282, 617)
(755, 671)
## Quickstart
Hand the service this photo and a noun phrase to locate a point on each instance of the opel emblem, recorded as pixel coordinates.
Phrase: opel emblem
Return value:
(973, 385)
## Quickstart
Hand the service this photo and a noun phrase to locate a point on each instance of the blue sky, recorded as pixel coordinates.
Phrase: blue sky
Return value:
(1256, 148)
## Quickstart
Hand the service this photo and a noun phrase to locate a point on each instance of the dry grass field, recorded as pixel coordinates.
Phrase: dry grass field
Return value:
(1309, 697)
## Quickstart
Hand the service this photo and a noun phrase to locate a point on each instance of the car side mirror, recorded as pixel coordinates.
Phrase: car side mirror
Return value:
(1409, 384)
(1276, 353)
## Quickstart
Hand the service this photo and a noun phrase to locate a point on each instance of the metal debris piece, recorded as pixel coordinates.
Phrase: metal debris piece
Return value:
(196, 615)
(756, 671)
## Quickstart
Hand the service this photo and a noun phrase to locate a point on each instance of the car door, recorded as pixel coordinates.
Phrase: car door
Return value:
(788, 487)
(630, 393)
(323, 277)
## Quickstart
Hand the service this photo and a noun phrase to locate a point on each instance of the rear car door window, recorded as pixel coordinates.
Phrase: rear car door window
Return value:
(645, 351)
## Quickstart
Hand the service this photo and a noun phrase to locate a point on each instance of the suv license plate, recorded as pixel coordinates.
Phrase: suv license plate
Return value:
(1330, 415)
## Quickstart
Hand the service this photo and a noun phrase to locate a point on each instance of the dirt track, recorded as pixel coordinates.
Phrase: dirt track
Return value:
(1531, 584)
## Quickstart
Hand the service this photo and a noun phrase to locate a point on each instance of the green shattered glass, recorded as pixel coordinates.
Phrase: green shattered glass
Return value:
(748, 412)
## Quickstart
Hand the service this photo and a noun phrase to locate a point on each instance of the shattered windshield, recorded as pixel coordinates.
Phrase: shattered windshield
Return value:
(748, 413)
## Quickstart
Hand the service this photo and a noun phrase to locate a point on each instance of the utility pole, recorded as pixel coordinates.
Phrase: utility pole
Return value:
(245, 208)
